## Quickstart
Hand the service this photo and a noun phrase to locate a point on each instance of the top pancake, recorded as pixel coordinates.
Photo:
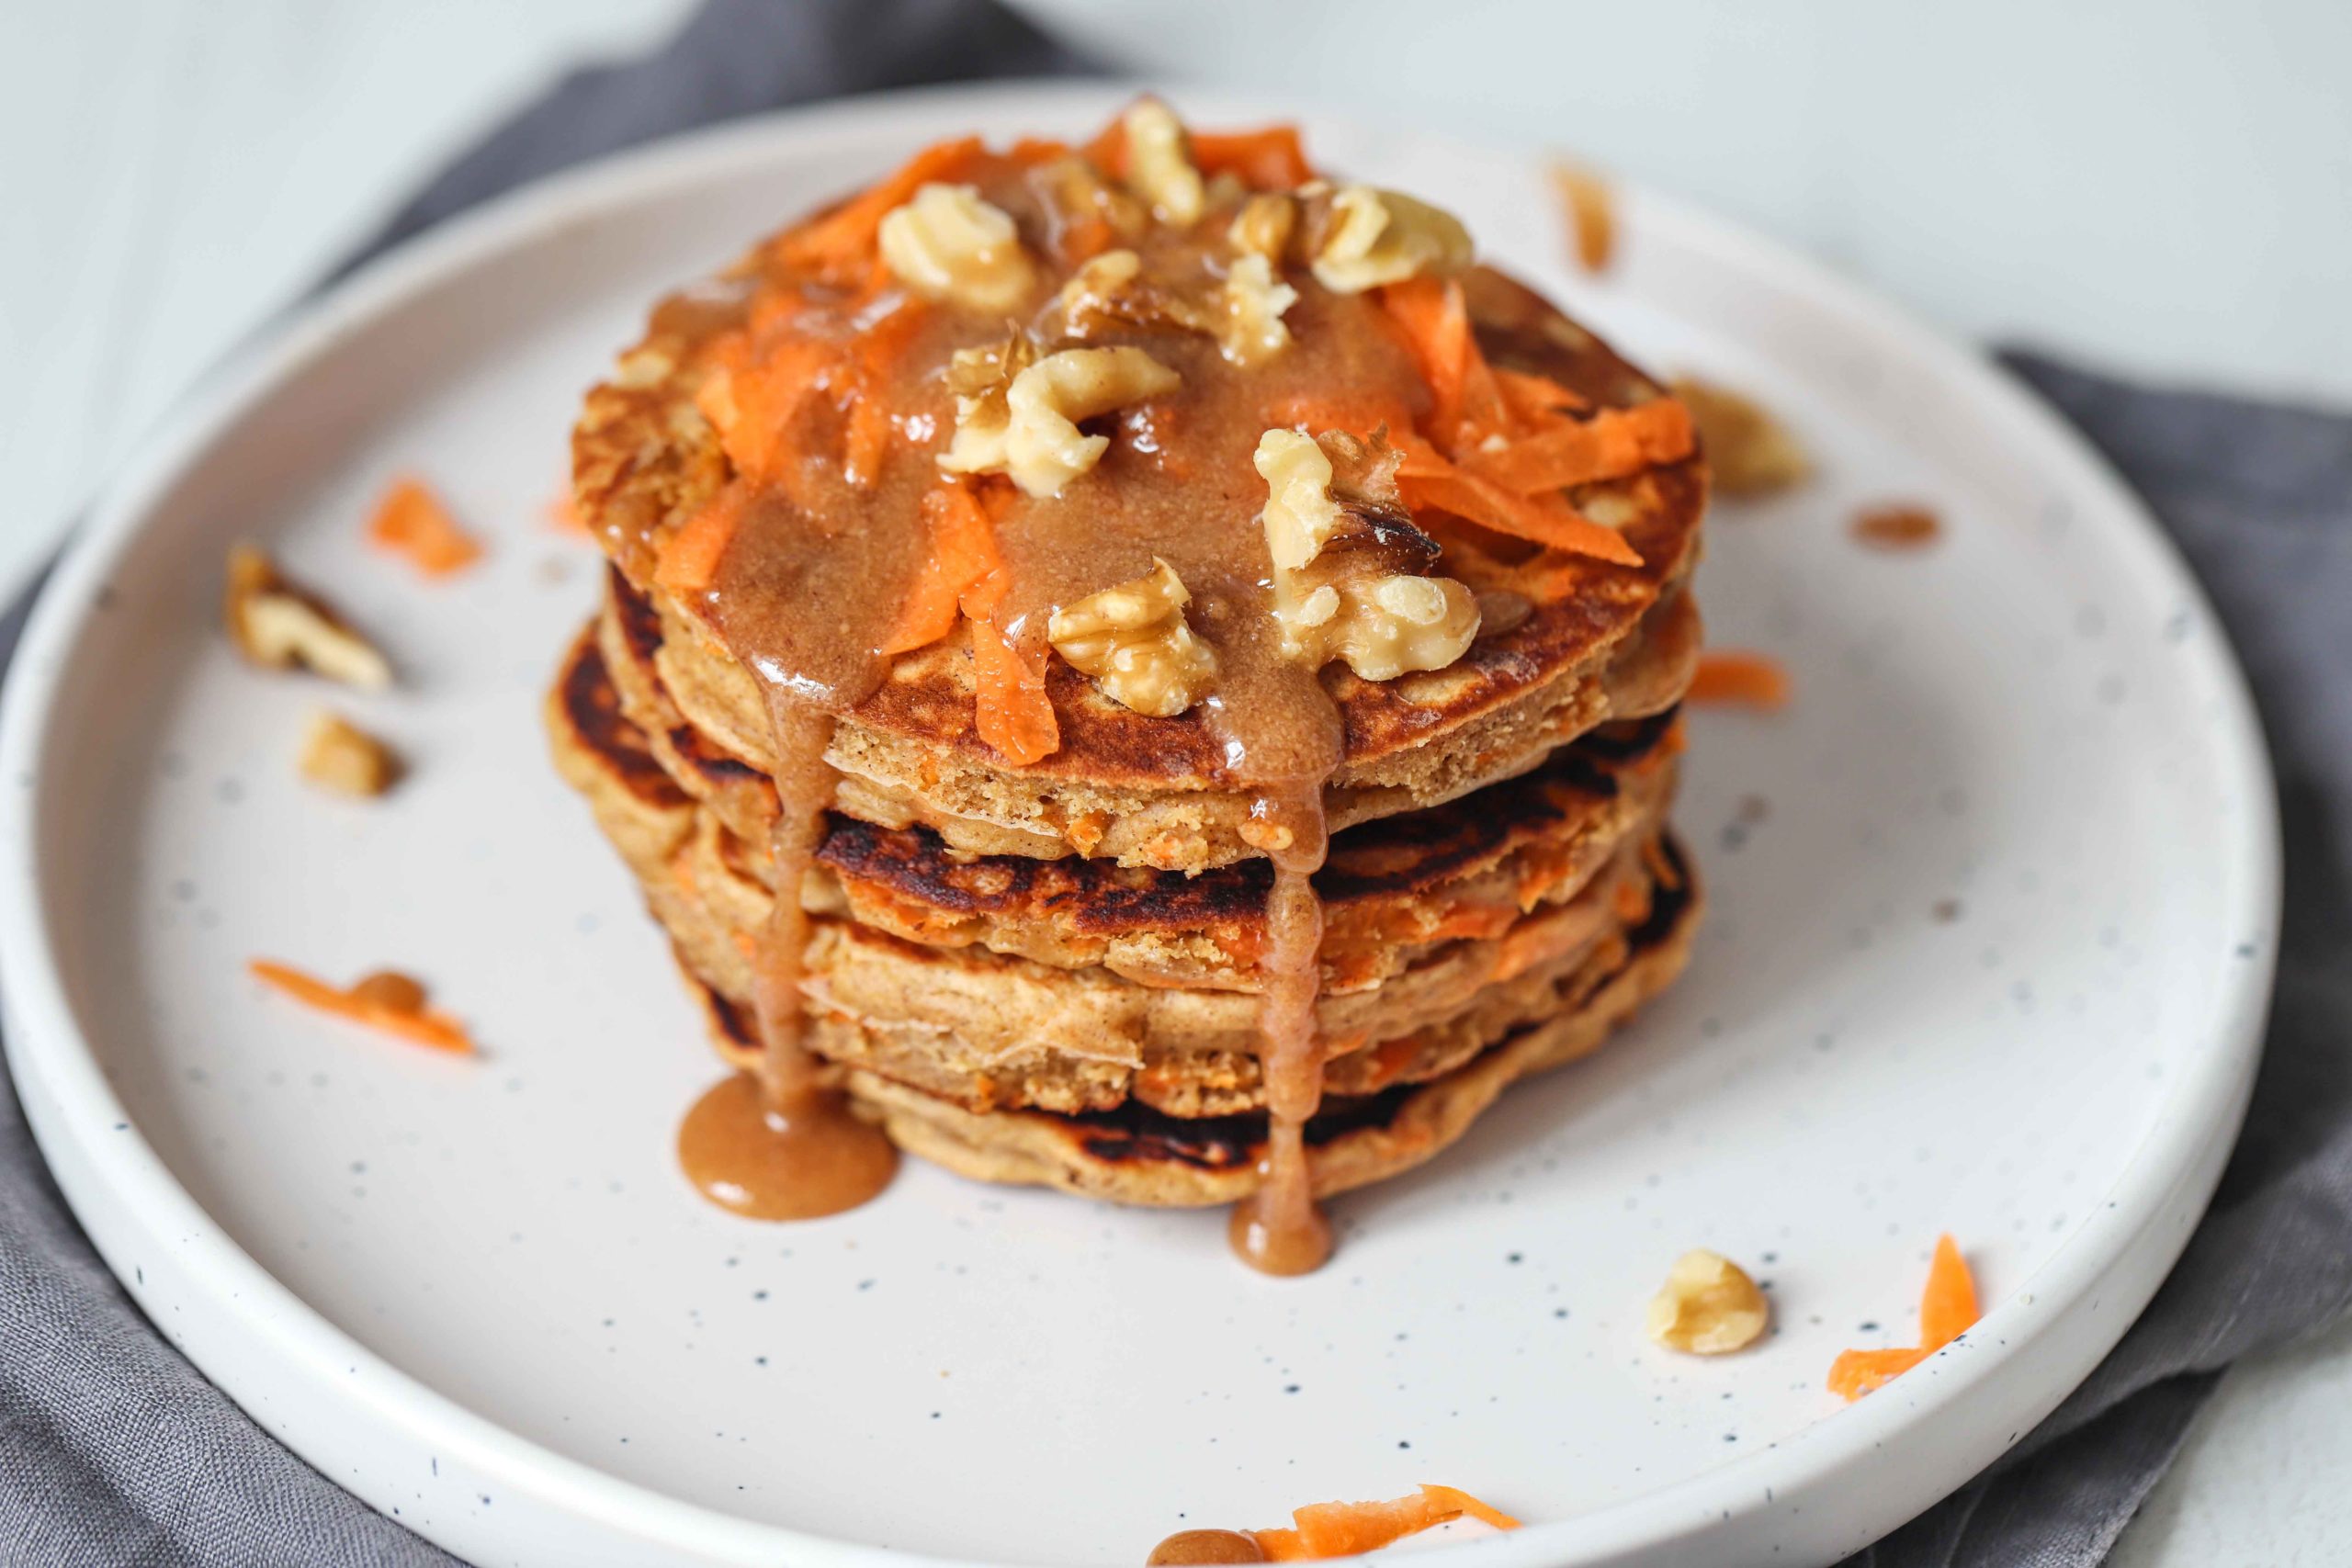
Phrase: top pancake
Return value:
(1601, 641)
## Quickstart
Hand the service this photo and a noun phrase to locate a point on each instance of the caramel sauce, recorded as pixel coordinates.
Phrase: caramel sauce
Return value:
(1901, 527)
(1186, 1549)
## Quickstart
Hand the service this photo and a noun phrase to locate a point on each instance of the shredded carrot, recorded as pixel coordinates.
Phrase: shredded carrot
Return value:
(866, 436)
(1436, 325)
(423, 1026)
(563, 515)
(1454, 1497)
(1614, 444)
(1535, 401)
(1732, 675)
(1016, 715)
(1108, 151)
(411, 521)
(963, 551)
(1947, 1310)
(1031, 151)
(839, 245)
(1270, 159)
(1856, 1373)
(754, 402)
(1948, 1305)
(1545, 519)
(689, 559)
(1349, 1529)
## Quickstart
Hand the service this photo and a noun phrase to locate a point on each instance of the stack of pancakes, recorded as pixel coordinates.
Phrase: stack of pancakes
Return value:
(1050, 973)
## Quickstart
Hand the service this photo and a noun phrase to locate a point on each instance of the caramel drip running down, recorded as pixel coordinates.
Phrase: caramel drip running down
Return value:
(778, 1143)
(1196, 1549)
(1279, 1229)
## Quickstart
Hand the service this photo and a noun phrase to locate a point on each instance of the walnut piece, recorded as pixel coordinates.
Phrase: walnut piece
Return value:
(1350, 579)
(1749, 453)
(340, 756)
(1033, 436)
(1251, 331)
(1264, 225)
(948, 244)
(1373, 237)
(1708, 1307)
(1160, 163)
(1134, 640)
(279, 626)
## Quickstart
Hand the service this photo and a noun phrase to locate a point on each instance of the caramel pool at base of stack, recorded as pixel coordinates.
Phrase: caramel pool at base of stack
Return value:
(1196, 654)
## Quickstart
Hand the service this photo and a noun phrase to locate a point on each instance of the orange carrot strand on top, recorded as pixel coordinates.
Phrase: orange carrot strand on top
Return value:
(688, 561)
(1016, 717)
(839, 245)
(962, 552)
(1730, 675)
(410, 521)
(423, 1026)
(1614, 444)
(1270, 159)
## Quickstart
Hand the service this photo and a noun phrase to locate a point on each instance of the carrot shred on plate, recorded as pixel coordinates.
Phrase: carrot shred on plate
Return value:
(1947, 1310)
(963, 552)
(1948, 1305)
(1269, 159)
(1591, 210)
(838, 246)
(688, 561)
(1857, 1372)
(563, 515)
(1733, 675)
(422, 1026)
(411, 521)
(1348, 1529)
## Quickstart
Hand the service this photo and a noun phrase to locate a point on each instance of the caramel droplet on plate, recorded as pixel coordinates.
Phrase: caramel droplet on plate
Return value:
(1186, 1547)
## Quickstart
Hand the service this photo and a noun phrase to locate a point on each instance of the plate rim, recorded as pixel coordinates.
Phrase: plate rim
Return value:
(76, 1116)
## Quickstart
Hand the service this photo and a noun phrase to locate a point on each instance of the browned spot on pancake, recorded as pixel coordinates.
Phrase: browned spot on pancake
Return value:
(1135, 1132)
(593, 711)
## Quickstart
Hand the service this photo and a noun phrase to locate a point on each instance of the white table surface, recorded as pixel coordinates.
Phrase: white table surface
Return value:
(174, 171)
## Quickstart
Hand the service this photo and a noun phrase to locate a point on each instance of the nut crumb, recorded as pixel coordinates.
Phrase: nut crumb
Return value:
(278, 625)
(1708, 1306)
(340, 756)
(1749, 453)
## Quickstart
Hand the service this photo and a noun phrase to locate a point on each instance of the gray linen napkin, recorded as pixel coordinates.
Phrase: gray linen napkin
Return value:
(114, 1451)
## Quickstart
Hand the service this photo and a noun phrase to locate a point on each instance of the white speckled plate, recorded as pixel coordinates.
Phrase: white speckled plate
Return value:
(1990, 949)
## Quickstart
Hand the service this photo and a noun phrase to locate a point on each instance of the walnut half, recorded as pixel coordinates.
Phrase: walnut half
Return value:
(948, 244)
(1351, 571)
(1708, 1307)
(278, 626)
(1372, 237)
(1031, 433)
(1134, 640)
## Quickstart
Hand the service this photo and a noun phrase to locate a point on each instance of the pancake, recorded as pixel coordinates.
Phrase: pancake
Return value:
(1138, 1155)
(1391, 884)
(1601, 642)
(988, 1030)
